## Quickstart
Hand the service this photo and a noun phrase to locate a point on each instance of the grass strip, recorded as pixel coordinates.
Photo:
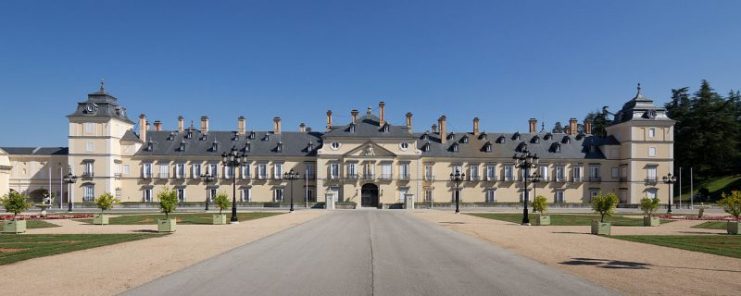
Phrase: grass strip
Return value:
(722, 244)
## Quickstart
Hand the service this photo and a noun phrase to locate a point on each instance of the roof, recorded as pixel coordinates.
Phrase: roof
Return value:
(36, 150)
(504, 145)
(369, 127)
(640, 108)
(130, 136)
(102, 105)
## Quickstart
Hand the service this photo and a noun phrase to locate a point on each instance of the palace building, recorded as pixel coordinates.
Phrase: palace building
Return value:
(371, 160)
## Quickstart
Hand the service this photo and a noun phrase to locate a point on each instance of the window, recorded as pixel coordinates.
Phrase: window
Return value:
(180, 194)
(179, 170)
(594, 175)
(428, 195)
(509, 173)
(213, 170)
(369, 169)
(490, 195)
(228, 171)
(310, 196)
(335, 145)
(245, 195)
(558, 198)
(147, 195)
(473, 172)
(543, 172)
(651, 175)
(651, 151)
(560, 174)
(164, 171)
(651, 132)
(491, 172)
(278, 194)
(615, 172)
(404, 171)
(126, 169)
(351, 171)
(592, 194)
(89, 127)
(277, 170)
(651, 193)
(88, 169)
(88, 193)
(147, 170)
(310, 170)
(334, 170)
(211, 193)
(89, 146)
(428, 172)
(262, 170)
(195, 171)
(402, 193)
(245, 171)
(457, 168)
(118, 193)
(386, 171)
(404, 146)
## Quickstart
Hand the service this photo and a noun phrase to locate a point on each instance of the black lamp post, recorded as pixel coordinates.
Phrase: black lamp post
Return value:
(290, 176)
(457, 178)
(69, 179)
(524, 160)
(207, 178)
(535, 179)
(669, 179)
(234, 159)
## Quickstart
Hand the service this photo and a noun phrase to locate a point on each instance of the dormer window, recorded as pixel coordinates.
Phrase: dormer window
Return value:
(171, 136)
(425, 136)
(404, 146)
(488, 147)
(252, 135)
(247, 147)
(386, 128)
(566, 140)
(521, 147)
(279, 148)
(214, 146)
(579, 136)
(516, 136)
(189, 135)
(150, 146)
(454, 147)
(548, 137)
(501, 140)
(351, 128)
(483, 136)
(182, 146)
(535, 139)
(310, 146)
(426, 147)
(451, 136)
(555, 148)
(464, 139)
(235, 137)
(266, 137)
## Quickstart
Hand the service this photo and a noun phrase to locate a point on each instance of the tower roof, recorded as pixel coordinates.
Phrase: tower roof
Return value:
(100, 104)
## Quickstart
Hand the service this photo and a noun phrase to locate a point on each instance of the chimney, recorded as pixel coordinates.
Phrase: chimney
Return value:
(588, 127)
(302, 127)
(475, 126)
(241, 126)
(441, 123)
(204, 125)
(276, 125)
(409, 122)
(329, 120)
(354, 114)
(381, 120)
(181, 124)
(157, 125)
(143, 128)
(533, 123)
(572, 126)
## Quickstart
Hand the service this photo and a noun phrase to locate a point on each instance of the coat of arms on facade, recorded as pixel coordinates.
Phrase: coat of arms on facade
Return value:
(369, 151)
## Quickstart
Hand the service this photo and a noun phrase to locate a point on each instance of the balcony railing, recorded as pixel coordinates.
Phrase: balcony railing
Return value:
(164, 175)
(87, 175)
(146, 175)
(578, 179)
(117, 175)
(369, 176)
(262, 177)
(333, 177)
(595, 179)
(490, 178)
(651, 181)
(429, 178)
(246, 177)
(385, 177)
(352, 176)
(404, 177)
(474, 178)
(508, 179)
(559, 179)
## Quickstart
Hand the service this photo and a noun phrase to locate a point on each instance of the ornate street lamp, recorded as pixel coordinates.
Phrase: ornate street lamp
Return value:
(669, 179)
(290, 176)
(69, 179)
(457, 178)
(535, 179)
(524, 160)
(234, 159)
(207, 178)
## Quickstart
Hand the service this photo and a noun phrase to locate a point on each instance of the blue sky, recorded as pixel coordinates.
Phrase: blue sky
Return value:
(503, 61)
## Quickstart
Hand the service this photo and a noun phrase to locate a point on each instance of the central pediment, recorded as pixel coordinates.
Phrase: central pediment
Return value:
(369, 150)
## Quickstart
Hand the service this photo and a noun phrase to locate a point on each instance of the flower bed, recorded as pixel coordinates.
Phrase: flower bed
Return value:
(48, 216)
(694, 217)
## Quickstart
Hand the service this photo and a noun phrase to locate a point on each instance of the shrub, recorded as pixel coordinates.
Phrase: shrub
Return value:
(604, 204)
(168, 201)
(106, 201)
(15, 203)
(221, 201)
(540, 204)
(731, 203)
(649, 205)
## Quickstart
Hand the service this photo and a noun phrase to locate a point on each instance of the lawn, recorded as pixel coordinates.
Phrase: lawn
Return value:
(14, 248)
(36, 224)
(201, 218)
(724, 245)
(567, 220)
(712, 225)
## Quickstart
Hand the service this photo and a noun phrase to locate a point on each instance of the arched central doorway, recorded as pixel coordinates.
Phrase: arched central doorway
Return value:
(369, 195)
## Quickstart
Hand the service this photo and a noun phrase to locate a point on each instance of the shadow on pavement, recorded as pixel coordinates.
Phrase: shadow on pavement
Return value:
(606, 263)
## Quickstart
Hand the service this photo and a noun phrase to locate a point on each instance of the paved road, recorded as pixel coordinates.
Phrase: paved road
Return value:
(369, 252)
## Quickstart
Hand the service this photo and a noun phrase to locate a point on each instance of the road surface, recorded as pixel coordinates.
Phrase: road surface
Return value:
(369, 252)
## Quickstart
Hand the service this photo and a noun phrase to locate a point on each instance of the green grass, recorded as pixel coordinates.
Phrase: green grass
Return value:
(36, 224)
(567, 220)
(724, 245)
(712, 225)
(714, 186)
(14, 248)
(201, 218)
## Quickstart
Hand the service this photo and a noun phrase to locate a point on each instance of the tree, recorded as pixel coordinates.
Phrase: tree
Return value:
(557, 128)
(649, 205)
(540, 204)
(105, 201)
(15, 203)
(731, 203)
(221, 201)
(599, 122)
(168, 201)
(604, 204)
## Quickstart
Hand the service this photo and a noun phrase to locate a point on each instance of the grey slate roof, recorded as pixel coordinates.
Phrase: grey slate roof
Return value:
(504, 145)
(640, 108)
(263, 143)
(130, 136)
(368, 127)
(36, 150)
(100, 104)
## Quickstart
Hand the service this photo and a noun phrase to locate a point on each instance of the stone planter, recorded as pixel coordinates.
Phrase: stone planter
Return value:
(733, 227)
(543, 220)
(651, 221)
(219, 219)
(100, 219)
(14, 226)
(166, 225)
(600, 228)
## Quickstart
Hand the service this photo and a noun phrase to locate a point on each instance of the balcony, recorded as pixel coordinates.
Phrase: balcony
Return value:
(369, 176)
(333, 177)
(146, 176)
(491, 178)
(385, 177)
(246, 177)
(595, 179)
(651, 181)
(473, 178)
(87, 175)
(353, 176)
(429, 178)
(623, 179)
(508, 179)
(164, 175)
(404, 177)
(278, 177)
(579, 179)
(117, 175)
(559, 179)
(261, 177)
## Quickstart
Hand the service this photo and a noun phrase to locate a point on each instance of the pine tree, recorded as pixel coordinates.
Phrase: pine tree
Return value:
(599, 123)
(557, 128)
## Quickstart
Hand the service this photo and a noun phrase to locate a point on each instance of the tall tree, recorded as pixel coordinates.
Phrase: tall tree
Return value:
(599, 122)
(557, 128)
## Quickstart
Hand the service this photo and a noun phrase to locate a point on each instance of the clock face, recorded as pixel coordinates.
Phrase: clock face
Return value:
(89, 108)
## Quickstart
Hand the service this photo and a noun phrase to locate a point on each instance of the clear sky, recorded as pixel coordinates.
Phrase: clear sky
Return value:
(503, 61)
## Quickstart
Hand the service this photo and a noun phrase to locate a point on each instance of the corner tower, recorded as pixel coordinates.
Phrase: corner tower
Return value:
(95, 131)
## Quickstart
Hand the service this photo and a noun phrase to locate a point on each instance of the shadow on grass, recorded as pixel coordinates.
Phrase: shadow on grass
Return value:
(146, 231)
(570, 232)
(700, 232)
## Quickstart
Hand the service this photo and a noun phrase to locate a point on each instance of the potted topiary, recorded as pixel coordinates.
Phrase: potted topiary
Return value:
(104, 202)
(168, 202)
(540, 204)
(731, 203)
(649, 206)
(221, 201)
(604, 204)
(15, 203)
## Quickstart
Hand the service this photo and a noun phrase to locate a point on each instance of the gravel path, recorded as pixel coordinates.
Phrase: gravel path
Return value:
(632, 268)
(110, 270)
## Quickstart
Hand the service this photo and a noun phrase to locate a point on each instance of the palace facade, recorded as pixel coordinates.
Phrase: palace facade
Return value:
(369, 161)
